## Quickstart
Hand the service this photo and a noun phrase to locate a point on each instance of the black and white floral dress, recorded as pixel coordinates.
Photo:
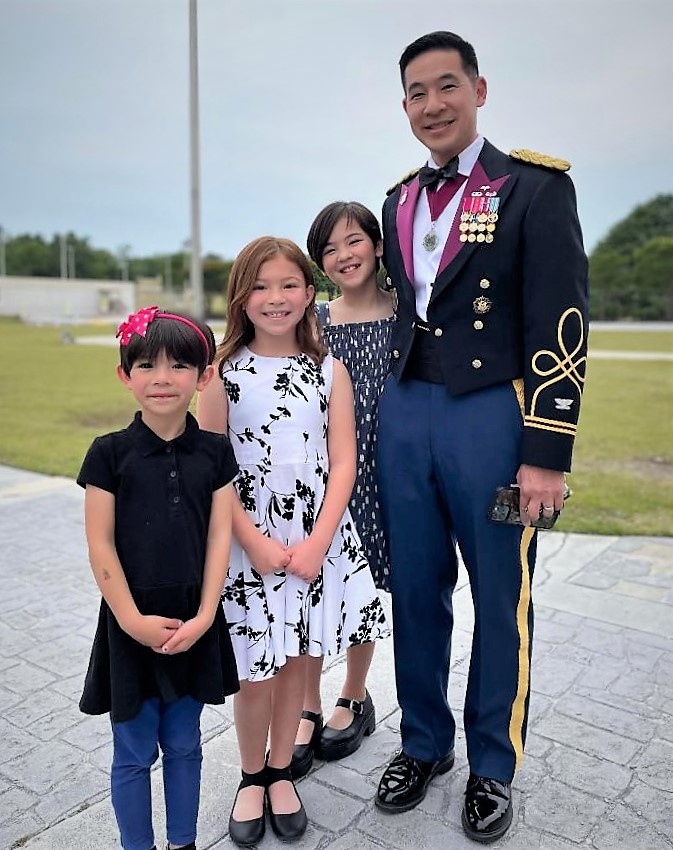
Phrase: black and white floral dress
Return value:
(278, 427)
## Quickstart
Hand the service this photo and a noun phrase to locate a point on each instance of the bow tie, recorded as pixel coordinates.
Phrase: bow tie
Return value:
(429, 177)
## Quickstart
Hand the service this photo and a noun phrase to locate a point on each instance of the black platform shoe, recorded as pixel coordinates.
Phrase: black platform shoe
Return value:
(247, 833)
(405, 781)
(302, 755)
(487, 813)
(338, 743)
(288, 827)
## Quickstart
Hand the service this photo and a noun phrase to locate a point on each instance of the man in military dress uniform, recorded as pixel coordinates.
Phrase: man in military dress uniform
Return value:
(485, 253)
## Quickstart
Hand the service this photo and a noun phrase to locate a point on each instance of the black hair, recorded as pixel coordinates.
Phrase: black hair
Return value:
(440, 40)
(180, 342)
(324, 223)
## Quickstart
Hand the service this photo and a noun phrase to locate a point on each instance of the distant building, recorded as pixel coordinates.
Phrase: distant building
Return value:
(49, 300)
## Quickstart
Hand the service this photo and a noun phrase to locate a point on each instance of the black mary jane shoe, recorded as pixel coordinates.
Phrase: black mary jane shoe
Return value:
(405, 781)
(247, 833)
(288, 827)
(487, 813)
(339, 743)
(302, 755)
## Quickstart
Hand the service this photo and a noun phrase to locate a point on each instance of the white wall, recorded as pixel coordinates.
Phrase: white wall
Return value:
(54, 300)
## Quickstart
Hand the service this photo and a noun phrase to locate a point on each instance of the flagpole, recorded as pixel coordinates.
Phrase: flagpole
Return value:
(196, 271)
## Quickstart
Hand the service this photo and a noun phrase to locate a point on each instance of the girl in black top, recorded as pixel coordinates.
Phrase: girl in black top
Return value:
(158, 526)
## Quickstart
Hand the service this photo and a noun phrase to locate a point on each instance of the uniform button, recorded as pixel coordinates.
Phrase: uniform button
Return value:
(176, 499)
(396, 354)
(413, 325)
(169, 449)
(438, 331)
(478, 325)
(484, 283)
(388, 281)
(476, 364)
(173, 473)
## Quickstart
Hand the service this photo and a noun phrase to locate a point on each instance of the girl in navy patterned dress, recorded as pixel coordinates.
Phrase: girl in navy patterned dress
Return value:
(345, 242)
(298, 584)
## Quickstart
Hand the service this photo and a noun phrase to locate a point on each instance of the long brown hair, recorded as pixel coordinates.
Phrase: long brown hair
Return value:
(244, 274)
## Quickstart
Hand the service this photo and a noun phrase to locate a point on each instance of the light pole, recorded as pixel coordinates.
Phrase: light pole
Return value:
(196, 272)
(64, 256)
(71, 261)
(3, 254)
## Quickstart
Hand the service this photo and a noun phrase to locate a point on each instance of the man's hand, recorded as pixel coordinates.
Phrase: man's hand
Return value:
(540, 492)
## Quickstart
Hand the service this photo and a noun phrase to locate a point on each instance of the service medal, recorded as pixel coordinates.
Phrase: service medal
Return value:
(430, 240)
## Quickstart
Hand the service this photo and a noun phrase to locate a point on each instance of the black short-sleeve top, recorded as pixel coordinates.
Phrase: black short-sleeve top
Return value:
(163, 495)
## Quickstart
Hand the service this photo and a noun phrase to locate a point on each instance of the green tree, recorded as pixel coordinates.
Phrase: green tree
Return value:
(631, 268)
(653, 275)
(654, 218)
(29, 256)
(322, 283)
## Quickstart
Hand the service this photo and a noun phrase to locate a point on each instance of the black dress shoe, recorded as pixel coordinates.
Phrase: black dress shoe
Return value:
(405, 781)
(339, 743)
(288, 827)
(487, 812)
(302, 755)
(247, 833)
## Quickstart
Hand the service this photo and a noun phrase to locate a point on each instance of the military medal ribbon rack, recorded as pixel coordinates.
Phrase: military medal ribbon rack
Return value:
(479, 216)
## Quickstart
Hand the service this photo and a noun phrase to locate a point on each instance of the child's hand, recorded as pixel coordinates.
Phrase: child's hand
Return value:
(268, 556)
(152, 630)
(306, 559)
(186, 636)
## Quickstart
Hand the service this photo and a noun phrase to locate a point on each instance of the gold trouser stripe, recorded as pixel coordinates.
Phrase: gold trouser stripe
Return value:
(519, 704)
(517, 383)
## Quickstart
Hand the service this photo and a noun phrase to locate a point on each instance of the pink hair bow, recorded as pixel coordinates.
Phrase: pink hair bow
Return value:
(136, 324)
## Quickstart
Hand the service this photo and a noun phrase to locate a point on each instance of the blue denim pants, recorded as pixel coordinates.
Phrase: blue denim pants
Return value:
(175, 727)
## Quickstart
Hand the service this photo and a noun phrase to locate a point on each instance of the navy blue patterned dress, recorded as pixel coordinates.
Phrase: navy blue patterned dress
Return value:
(364, 349)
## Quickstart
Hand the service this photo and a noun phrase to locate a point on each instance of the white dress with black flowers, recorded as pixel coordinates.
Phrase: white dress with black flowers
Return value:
(278, 428)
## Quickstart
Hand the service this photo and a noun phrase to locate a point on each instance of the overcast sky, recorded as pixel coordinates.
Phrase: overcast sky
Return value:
(301, 105)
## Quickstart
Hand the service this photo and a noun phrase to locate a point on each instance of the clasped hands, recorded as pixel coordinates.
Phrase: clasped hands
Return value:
(168, 635)
(303, 559)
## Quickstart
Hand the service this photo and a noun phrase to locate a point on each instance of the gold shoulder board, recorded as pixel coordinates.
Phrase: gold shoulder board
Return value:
(404, 179)
(535, 158)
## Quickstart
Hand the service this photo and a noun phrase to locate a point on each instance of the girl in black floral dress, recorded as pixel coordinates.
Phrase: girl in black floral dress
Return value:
(298, 583)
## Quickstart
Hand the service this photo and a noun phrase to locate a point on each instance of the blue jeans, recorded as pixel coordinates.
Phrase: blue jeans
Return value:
(175, 728)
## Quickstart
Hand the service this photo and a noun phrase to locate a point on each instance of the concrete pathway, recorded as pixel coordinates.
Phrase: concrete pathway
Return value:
(598, 772)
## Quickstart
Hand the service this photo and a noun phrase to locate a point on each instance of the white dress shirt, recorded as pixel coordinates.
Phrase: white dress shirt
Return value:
(426, 262)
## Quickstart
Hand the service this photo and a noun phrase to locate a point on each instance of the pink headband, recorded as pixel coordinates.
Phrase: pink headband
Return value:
(137, 324)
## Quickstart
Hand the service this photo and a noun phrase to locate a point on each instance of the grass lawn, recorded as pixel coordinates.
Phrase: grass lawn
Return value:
(55, 398)
(631, 340)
